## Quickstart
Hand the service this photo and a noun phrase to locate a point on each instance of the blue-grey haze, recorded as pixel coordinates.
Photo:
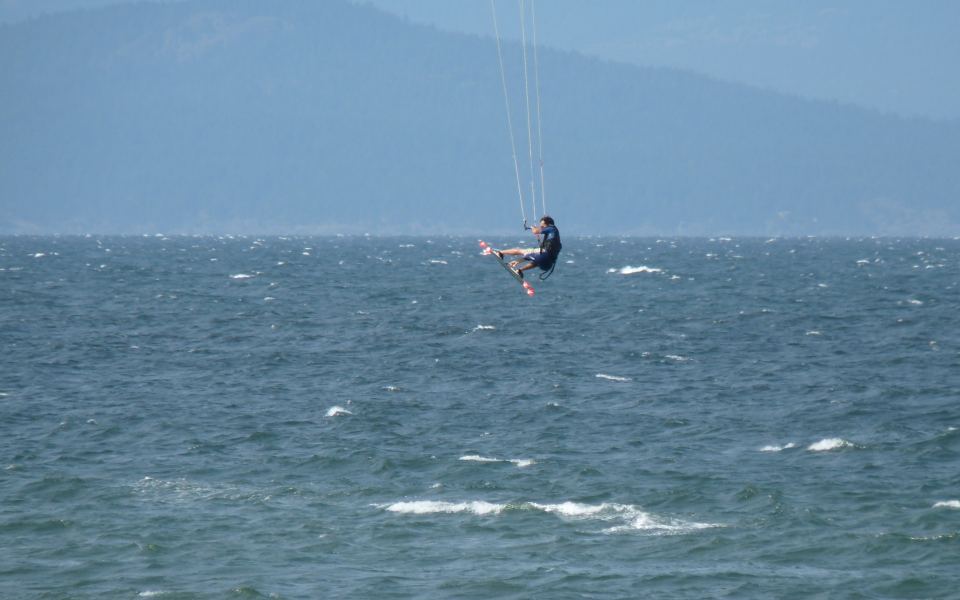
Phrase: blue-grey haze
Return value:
(327, 117)
(322, 417)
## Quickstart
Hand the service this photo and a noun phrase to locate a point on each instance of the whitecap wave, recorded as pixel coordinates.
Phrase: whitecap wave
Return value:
(627, 516)
(628, 270)
(612, 377)
(828, 444)
(787, 446)
(484, 328)
(478, 458)
(426, 507)
(620, 518)
(241, 276)
(947, 504)
(336, 411)
(520, 462)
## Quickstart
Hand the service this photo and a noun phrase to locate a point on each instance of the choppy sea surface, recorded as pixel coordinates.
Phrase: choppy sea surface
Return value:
(284, 417)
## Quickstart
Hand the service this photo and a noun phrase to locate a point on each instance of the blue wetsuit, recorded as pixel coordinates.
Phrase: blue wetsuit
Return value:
(549, 248)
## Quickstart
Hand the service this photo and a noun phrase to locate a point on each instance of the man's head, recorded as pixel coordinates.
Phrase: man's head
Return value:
(546, 220)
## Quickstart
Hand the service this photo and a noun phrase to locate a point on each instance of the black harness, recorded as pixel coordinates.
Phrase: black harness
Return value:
(551, 246)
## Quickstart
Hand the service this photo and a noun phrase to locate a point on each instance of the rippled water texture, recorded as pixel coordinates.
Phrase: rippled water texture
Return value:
(393, 418)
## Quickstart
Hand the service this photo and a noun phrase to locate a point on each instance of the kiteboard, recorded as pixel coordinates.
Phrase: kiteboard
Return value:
(516, 274)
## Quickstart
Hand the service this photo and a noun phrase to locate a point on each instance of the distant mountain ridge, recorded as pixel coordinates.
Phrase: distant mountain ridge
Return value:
(323, 117)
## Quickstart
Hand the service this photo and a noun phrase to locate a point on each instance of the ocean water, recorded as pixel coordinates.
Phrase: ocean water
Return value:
(242, 417)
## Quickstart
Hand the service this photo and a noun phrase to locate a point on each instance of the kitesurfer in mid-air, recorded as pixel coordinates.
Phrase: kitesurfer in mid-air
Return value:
(545, 256)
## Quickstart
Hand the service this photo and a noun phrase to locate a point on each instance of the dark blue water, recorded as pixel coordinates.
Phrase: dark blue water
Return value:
(393, 418)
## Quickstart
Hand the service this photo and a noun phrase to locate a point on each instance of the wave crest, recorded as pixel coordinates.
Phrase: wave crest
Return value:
(628, 270)
(620, 518)
(828, 444)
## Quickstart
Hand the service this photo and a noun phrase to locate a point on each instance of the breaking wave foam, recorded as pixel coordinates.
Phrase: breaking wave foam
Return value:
(427, 507)
(628, 270)
(827, 444)
(520, 462)
(620, 518)
(612, 377)
(778, 448)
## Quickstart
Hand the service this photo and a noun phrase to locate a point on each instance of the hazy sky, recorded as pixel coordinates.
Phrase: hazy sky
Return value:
(889, 55)
(885, 54)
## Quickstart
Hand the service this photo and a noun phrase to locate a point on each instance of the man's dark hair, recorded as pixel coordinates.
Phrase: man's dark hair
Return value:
(547, 219)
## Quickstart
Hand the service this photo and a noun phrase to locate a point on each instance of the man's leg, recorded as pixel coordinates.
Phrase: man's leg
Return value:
(527, 266)
(510, 252)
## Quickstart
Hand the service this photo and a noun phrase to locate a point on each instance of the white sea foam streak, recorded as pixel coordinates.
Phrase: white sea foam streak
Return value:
(829, 444)
(612, 377)
(778, 448)
(628, 270)
(619, 518)
(520, 462)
